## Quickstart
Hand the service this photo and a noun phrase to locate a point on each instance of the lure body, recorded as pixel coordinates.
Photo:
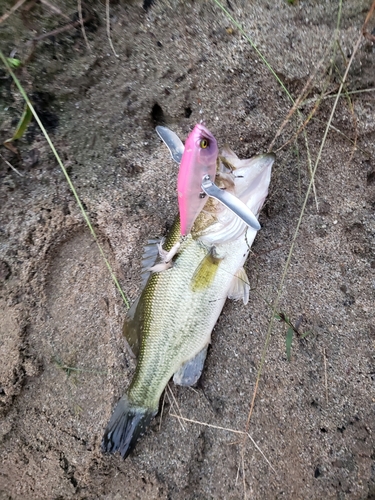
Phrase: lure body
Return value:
(198, 160)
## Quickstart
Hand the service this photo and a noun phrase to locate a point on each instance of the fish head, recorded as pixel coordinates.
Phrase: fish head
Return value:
(198, 160)
(252, 178)
(248, 180)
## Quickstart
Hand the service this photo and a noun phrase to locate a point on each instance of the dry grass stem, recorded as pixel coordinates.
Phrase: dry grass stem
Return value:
(237, 475)
(108, 21)
(174, 402)
(82, 25)
(234, 431)
(355, 125)
(365, 33)
(328, 95)
(302, 126)
(286, 267)
(13, 9)
(338, 131)
(11, 166)
(57, 31)
(325, 374)
(243, 474)
(54, 9)
(304, 93)
(261, 452)
(162, 410)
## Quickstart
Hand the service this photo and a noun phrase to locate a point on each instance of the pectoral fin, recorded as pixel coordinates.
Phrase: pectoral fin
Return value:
(190, 372)
(240, 286)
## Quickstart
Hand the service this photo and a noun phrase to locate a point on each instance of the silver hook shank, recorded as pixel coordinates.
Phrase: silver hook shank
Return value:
(234, 204)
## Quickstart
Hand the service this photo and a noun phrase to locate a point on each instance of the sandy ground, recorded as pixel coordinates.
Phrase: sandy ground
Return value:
(63, 362)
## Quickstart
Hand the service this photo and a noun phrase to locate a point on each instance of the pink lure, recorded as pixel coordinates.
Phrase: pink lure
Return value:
(199, 159)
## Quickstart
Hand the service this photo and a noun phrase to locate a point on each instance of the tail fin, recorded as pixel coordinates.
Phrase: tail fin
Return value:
(126, 426)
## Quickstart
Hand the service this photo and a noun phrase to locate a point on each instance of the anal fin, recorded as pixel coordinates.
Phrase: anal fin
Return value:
(190, 372)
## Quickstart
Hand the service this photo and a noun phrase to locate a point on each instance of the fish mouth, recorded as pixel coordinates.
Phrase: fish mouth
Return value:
(249, 182)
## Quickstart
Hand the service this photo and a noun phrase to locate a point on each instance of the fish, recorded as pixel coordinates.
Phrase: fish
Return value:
(198, 160)
(187, 279)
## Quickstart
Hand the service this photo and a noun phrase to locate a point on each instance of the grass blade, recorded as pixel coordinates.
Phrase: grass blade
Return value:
(288, 342)
(22, 124)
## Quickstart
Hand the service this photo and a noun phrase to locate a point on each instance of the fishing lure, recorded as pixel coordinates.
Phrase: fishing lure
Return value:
(198, 161)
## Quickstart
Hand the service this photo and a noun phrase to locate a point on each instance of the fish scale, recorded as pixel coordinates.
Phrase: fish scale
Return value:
(175, 335)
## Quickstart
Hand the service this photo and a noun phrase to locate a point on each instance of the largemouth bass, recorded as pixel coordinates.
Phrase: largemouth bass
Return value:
(170, 325)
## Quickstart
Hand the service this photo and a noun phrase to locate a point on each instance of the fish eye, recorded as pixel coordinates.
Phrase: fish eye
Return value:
(204, 143)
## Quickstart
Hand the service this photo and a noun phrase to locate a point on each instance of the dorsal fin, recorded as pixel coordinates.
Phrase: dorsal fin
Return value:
(149, 257)
(131, 329)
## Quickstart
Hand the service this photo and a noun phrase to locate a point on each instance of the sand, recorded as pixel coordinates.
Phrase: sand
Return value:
(63, 360)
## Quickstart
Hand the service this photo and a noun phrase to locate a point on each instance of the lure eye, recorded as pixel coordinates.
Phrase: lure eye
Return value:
(204, 143)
